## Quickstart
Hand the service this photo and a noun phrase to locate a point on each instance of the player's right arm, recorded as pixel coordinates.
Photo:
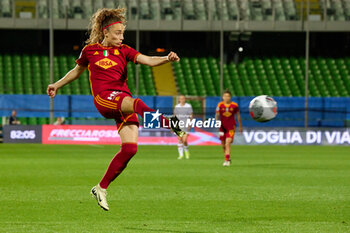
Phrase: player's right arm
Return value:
(217, 112)
(68, 78)
(216, 116)
(239, 122)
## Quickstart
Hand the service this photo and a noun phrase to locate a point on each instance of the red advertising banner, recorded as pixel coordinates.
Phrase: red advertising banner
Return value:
(98, 134)
(80, 134)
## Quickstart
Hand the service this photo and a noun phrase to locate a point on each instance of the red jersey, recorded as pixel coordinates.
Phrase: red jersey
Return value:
(227, 114)
(107, 66)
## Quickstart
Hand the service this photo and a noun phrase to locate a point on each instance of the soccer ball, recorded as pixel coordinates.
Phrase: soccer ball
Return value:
(263, 108)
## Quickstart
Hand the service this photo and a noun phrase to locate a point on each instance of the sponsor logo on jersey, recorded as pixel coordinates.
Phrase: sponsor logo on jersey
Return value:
(113, 95)
(227, 114)
(116, 52)
(106, 63)
(96, 53)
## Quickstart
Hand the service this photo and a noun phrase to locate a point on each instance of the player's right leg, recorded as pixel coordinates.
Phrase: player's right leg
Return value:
(222, 137)
(180, 148)
(223, 145)
(185, 143)
(228, 142)
(130, 105)
(128, 135)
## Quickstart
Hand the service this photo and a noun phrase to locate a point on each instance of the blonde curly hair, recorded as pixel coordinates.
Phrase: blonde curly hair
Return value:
(102, 18)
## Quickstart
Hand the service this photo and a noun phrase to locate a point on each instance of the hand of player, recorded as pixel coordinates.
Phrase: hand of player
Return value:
(51, 90)
(173, 57)
(240, 130)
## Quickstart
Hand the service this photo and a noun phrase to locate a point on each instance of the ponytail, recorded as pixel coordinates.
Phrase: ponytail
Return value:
(101, 19)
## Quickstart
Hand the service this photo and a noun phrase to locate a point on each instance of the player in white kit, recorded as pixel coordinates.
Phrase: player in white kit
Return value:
(183, 111)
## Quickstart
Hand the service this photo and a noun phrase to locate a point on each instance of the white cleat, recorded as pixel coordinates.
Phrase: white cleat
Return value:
(100, 196)
(227, 163)
(187, 154)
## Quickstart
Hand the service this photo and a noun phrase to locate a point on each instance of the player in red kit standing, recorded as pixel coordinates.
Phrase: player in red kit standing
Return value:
(227, 110)
(106, 58)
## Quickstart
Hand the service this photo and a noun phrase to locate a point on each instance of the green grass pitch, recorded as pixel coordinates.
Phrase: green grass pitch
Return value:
(45, 188)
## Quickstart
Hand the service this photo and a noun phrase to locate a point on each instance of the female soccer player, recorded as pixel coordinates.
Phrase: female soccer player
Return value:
(227, 110)
(106, 58)
(184, 112)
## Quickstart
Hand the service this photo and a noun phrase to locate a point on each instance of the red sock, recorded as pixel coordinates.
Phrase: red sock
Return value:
(140, 107)
(118, 163)
(227, 157)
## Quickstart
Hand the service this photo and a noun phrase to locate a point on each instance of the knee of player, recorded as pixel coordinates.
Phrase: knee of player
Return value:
(128, 104)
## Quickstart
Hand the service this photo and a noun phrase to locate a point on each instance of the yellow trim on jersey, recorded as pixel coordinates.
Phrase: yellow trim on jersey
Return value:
(104, 47)
(227, 105)
(90, 80)
(124, 121)
(105, 103)
(136, 55)
(88, 46)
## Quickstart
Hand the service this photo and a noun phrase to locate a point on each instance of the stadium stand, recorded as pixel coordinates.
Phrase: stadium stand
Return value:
(282, 76)
(193, 9)
(255, 76)
(29, 74)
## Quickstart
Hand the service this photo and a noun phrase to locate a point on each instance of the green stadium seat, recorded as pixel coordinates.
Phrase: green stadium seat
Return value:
(277, 76)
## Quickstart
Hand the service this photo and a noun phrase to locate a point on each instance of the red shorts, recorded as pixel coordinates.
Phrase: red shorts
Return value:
(226, 133)
(108, 103)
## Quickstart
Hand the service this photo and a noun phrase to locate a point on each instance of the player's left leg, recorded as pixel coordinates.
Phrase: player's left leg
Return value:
(128, 135)
(185, 143)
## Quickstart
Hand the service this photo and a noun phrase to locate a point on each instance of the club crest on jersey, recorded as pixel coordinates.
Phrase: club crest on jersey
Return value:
(106, 63)
(105, 53)
(231, 133)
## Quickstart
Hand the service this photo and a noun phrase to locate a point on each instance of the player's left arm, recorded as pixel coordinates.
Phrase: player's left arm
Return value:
(157, 60)
(239, 122)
